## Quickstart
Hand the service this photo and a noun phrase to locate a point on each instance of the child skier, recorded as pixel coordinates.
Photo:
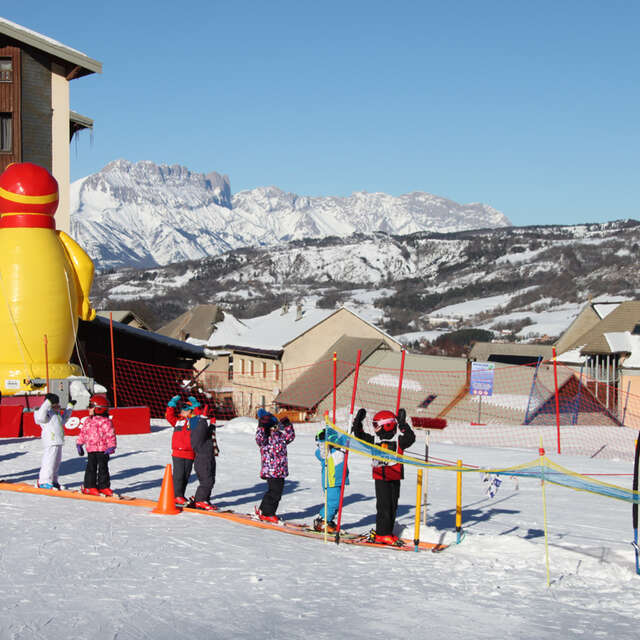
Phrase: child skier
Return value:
(392, 433)
(52, 422)
(272, 436)
(179, 413)
(332, 470)
(98, 435)
(204, 445)
(182, 454)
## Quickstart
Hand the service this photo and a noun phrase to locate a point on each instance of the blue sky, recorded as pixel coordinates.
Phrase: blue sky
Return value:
(532, 108)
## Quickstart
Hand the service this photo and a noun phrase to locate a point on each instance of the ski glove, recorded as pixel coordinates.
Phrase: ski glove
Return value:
(402, 420)
(80, 449)
(174, 402)
(285, 422)
(360, 416)
(110, 451)
(52, 398)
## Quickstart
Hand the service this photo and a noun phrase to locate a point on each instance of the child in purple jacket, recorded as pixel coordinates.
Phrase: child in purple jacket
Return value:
(272, 436)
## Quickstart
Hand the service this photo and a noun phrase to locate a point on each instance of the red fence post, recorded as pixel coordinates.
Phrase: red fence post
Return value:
(46, 360)
(404, 351)
(555, 379)
(113, 361)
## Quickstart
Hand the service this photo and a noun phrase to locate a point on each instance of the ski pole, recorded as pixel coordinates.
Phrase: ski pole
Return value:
(345, 470)
(634, 506)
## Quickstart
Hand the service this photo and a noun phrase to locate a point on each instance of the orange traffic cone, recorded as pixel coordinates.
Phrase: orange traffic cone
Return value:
(166, 502)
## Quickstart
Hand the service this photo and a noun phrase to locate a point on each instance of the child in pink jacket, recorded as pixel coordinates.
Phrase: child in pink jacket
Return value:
(99, 436)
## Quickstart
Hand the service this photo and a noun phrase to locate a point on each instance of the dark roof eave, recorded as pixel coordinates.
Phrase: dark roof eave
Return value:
(252, 351)
(192, 350)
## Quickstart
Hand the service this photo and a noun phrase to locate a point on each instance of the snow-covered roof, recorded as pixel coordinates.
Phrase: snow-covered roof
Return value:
(228, 331)
(572, 356)
(603, 309)
(270, 332)
(85, 65)
(275, 330)
(633, 361)
(625, 342)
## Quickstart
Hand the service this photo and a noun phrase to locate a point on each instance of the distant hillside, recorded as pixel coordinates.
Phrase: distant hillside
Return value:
(145, 215)
(396, 281)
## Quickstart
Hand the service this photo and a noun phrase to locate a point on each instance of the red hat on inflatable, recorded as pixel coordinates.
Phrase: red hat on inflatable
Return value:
(28, 188)
(99, 404)
(384, 420)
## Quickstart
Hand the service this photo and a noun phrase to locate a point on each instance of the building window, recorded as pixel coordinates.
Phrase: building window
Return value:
(264, 369)
(6, 129)
(242, 366)
(276, 371)
(251, 368)
(6, 70)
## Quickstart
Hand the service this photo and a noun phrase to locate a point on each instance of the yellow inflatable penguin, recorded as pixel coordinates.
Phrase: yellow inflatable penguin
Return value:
(45, 278)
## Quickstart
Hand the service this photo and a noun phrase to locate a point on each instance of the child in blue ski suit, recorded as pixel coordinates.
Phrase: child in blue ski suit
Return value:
(332, 461)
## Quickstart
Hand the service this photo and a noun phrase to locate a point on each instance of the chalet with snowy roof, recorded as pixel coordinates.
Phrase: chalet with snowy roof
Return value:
(271, 353)
(608, 355)
(36, 121)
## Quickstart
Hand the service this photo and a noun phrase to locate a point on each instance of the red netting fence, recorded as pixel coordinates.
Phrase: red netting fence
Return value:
(585, 416)
(152, 385)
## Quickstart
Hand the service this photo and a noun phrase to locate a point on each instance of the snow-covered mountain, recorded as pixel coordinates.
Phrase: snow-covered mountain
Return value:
(400, 282)
(145, 215)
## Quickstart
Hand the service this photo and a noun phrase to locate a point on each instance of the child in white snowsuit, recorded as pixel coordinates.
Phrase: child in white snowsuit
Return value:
(52, 422)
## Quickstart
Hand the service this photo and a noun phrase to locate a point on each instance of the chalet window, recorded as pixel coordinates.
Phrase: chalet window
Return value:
(6, 128)
(6, 70)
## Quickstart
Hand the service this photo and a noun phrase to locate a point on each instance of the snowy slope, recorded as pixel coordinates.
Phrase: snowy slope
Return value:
(141, 215)
(74, 569)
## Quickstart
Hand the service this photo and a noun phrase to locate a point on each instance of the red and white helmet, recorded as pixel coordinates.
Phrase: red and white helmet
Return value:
(384, 420)
(99, 404)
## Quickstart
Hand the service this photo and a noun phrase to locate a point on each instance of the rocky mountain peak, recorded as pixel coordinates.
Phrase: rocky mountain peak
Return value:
(144, 214)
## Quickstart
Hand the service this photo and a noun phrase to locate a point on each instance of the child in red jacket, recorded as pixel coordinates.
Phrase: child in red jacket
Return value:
(182, 455)
(394, 434)
(99, 436)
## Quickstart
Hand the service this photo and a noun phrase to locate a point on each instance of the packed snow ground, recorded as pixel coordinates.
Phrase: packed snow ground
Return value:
(75, 569)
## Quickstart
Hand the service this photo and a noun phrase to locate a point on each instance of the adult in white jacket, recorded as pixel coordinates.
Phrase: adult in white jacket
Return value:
(52, 422)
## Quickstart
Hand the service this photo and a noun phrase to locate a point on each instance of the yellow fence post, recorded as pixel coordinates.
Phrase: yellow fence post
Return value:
(416, 531)
(459, 503)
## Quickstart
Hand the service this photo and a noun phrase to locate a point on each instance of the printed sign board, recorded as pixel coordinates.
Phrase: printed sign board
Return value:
(481, 383)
